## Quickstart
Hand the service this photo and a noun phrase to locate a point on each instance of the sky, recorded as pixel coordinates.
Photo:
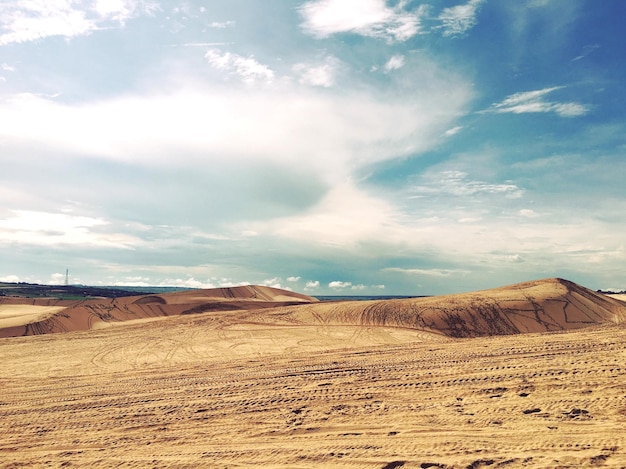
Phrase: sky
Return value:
(349, 147)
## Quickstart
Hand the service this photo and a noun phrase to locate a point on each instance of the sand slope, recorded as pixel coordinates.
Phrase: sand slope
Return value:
(44, 316)
(538, 306)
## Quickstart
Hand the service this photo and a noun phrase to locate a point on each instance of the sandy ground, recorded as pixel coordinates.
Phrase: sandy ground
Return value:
(219, 389)
(619, 296)
(20, 315)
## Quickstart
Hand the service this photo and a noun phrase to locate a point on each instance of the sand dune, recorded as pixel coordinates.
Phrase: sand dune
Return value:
(301, 387)
(15, 315)
(538, 306)
(67, 315)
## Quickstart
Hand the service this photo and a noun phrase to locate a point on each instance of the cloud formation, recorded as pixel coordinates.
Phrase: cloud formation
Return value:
(322, 73)
(30, 20)
(533, 102)
(373, 18)
(394, 63)
(459, 19)
(306, 129)
(339, 285)
(457, 183)
(426, 272)
(213, 144)
(248, 69)
(54, 229)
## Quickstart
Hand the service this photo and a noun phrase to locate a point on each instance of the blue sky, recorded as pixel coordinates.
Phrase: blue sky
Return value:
(325, 146)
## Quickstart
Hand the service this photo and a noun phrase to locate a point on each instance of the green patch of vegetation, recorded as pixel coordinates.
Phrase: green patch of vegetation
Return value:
(63, 292)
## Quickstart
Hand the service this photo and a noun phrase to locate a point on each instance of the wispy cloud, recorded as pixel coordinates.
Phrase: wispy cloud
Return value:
(394, 63)
(459, 19)
(203, 44)
(323, 73)
(328, 133)
(457, 183)
(339, 285)
(534, 102)
(453, 131)
(587, 50)
(53, 229)
(345, 217)
(29, 20)
(221, 24)
(372, 18)
(248, 69)
(426, 272)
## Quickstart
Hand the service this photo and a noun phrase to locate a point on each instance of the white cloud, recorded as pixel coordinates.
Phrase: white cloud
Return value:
(372, 18)
(53, 229)
(338, 285)
(570, 109)
(528, 213)
(10, 279)
(312, 285)
(457, 183)
(221, 24)
(453, 131)
(459, 19)
(248, 69)
(189, 282)
(394, 63)
(118, 10)
(358, 287)
(272, 282)
(533, 101)
(56, 279)
(29, 20)
(587, 50)
(204, 44)
(293, 279)
(426, 272)
(345, 217)
(330, 134)
(318, 74)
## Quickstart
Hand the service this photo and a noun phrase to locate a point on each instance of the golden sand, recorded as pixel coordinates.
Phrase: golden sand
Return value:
(289, 387)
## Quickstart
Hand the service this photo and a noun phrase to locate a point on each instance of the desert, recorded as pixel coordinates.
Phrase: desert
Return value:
(526, 375)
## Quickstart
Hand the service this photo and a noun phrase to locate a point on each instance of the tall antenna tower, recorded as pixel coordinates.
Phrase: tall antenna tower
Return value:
(67, 277)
